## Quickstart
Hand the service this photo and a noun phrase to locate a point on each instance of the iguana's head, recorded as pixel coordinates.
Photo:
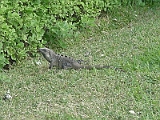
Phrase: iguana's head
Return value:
(42, 50)
(46, 53)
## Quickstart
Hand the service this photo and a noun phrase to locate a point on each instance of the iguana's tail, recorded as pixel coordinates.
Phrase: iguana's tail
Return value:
(96, 67)
(101, 67)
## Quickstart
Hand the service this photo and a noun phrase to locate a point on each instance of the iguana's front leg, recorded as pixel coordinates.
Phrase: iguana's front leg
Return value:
(51, 64)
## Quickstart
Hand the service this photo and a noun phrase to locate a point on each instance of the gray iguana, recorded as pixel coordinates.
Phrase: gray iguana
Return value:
(64, 62)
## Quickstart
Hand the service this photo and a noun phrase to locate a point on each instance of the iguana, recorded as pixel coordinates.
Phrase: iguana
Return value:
(64, 62)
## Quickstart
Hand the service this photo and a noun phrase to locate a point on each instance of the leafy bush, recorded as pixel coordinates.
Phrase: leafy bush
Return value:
(59, 32)
(27, 25)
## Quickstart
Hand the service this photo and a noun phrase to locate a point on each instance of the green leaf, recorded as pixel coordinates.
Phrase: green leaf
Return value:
(20, 45)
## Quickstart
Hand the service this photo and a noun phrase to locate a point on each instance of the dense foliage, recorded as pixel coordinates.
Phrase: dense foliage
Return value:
(27, 25)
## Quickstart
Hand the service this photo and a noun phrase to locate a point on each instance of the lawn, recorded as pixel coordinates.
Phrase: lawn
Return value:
(42, 94)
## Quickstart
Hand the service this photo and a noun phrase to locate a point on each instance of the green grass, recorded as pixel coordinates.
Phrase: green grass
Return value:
(42, 94)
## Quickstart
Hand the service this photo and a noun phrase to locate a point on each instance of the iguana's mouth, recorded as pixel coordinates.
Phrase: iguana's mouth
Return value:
(38, 50)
